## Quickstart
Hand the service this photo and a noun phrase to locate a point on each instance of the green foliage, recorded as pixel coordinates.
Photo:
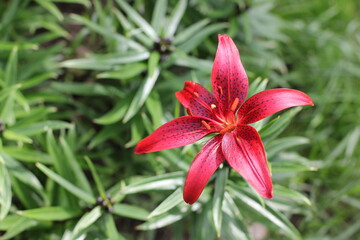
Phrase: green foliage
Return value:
(81, 82)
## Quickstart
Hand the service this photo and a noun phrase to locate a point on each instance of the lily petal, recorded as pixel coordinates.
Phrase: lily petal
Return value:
(268, 102)
(244, 151)
(202, 168)
(176, 133)
(197, 99)
(229, 80)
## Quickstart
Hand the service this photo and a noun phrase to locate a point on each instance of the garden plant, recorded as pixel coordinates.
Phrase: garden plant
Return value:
(186, 119)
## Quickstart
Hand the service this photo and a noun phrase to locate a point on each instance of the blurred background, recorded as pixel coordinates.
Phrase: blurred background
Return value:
(81, 82)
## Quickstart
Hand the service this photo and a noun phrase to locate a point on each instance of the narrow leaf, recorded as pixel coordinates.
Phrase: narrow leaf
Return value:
(96, 178)
(158, 15)
(66, 184)
(272, 216)
(189, 32)
(219, 193)
(11, 68)
(130, 211)
(138, 19)
(85, 222)
(50, 213)
(145, 89)
(175, 18)
(105, 62)
(19, 225)
(37, 128)
(169, 203)
(162, 182)
(5, 191)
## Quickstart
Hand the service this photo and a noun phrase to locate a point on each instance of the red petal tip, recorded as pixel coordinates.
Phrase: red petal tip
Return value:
(190, 200)
(137, 151)
(268, 194)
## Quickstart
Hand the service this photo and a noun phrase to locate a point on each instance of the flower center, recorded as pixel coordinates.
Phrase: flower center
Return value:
(225, 122)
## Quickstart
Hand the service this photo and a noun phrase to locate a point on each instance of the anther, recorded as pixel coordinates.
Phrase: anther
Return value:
(206, 125)
(189, 112)
(213, 106)
(234, 104)
(227, 129)
(220, 90)
(196, 94)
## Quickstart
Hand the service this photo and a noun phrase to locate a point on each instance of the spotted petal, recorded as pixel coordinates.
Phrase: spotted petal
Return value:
(268, 102)
(176, 133)
(202, 168)
(196, 99)
(229, 80)
(245, 153)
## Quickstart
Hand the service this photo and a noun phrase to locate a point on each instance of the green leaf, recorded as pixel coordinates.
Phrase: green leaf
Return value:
(86, 3)
(37, 128)
(289, 193)
(137, 132)
(278, 145)
(7, 111)
(200, 36)
(129, 30)
(105, 62)
(75, 167)
(269, 214)
(36, 80)
(110, 228)
(138, 19)
(258, 85)
(17, 170)
(107, 132)
(115, 114)
(82, 89)
(169, 203)
(190, 31)
(168, 218)
(184, 60)
(124, 72)
(5, 191)
(130, 211)
(81, 194)
(10, 77)
(123, 41)
(145, 89)
(162, 182)
(153, 105)
(280, 125)
(234, 226)
(48, 5)
(28, 155)
(220, 183)
(8, 14)
(158, 15)
(96, 178)
(16, 226)
(85, 222)
(175, 18)
(50, 213)
(10, 135)
(21, 46)
(279, 167)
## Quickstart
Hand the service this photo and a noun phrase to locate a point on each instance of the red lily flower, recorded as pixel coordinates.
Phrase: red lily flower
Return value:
(227, 113)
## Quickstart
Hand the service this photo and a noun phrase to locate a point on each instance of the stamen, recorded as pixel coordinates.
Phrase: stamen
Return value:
(234, 104)
(196, 94)
(206, 125)
(220, 90)
(189, 112)
(227, 129)
(213, 106)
